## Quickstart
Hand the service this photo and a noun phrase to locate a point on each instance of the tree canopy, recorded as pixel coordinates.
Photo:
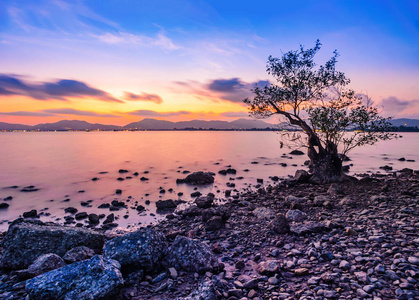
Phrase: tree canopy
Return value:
(317, 100)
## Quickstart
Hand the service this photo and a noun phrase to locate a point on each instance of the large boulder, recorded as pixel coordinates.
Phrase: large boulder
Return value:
(25, 241)
(96, 278)
(198, 178)
(142, 249)
(191, 255)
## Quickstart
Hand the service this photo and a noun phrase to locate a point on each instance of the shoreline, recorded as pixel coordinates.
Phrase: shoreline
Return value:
(346, 240)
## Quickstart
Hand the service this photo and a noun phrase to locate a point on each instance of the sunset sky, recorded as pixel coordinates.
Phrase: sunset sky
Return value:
(119, 61)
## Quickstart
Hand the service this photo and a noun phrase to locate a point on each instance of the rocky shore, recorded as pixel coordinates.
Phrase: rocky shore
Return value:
(295, 240)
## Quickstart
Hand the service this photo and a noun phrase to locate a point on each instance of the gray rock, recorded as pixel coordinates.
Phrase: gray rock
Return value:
(269, 267)
(45, 263)
(25, 241)
(191, 255)
(142, 249)
(309, 227)
(78, 254)
(264, 213)
(205, 291)
(96, 278)
(295, 215)
(279, 224)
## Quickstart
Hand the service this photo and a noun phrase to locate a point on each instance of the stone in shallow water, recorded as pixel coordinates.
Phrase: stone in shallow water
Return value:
(96, 278)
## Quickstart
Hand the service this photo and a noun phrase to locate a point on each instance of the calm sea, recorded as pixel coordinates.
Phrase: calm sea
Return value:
(61, 164)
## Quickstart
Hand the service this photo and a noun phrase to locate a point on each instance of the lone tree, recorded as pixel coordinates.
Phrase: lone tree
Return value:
(316, 99)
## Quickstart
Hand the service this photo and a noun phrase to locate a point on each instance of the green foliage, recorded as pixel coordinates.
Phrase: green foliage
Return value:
(315, 98)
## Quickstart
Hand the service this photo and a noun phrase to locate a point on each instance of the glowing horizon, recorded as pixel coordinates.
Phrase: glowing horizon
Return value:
(104, 62)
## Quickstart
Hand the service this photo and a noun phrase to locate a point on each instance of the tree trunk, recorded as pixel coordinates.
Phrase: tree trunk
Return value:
(325, 163)
(326, 168)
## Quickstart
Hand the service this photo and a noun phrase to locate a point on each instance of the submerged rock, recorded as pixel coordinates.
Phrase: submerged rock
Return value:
(96, 278)
(142, 249)
(166, 204)
(25, 241)
(198, 178)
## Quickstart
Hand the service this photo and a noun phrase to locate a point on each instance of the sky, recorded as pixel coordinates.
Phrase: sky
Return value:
(119, 61)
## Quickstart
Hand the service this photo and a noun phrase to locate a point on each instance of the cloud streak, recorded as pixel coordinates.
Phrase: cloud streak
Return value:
(143, 97)
(217, 90)
(152, 113)
(56, 112)
(393, 106)
(58, 90)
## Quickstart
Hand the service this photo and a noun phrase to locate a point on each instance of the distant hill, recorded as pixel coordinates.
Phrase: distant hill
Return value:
(73, 125)
(153, 124)
(8, 126)
(405, 122)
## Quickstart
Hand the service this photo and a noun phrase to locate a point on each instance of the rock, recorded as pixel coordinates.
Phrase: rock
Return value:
(301, 271)
(204, 291)
(279, 224)
(25, 241)
(344, 265)
(166, 204)
(30, 214)
(413, 260)
(78, 254)
(309, 227)
(269, 267)
(96, 278)
(191, 255)
(121, 171)
(45, 263)
(214, 223)
(302, 176)
(81, 215)
(93, 219)
(386, 168)
(71, 210)
(109, 219)
(4, 205)
(264, 213)
(198, 178)
(361, 277)
(173, 273)
(204, 202)
(296, 152)
(295, 215)
(335, 189)
(141, 249)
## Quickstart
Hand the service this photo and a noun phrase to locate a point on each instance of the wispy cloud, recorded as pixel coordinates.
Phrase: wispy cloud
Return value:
(160, 40)
(143, 97)
(27, 114)
(152, 113)
(235, 114)
(217, 90)
(76, 112)
(56, 112)
(393, 106)
(58, 90)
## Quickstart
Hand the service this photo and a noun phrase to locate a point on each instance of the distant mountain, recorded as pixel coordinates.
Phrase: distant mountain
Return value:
(73, 125)
(405, 122)
(8, 126)
(153, 124)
